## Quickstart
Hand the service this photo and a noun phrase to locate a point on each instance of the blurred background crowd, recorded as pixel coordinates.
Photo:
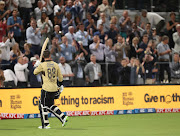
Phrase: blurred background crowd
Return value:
(93, 41)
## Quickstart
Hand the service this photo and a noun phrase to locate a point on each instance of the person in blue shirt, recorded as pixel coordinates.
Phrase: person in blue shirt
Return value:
(14, 24)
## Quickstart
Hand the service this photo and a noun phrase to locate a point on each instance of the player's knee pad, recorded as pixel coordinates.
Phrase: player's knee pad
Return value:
(55, 110)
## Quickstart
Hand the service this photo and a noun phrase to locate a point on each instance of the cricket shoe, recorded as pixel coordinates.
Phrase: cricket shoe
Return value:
(46, 127)
(65, 120)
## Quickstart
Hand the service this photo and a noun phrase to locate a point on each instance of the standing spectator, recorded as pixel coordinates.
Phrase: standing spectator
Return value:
(67, 50)
(33, 35)
(19, 69)
(66, 72)
(133, 77)
(135, 32)
(93, 10)
(25, 6)
(134, 48)
(78, 66)
(125, 24)
(122, 48)
(38, 10)
(163, 52)
(57, 33)
(175, 69)
(67, 21)
(171, 27)
(124, 73)
(140, 71)
(14, 24)
(3, 27)
(148, 31)
(55, 50)
(100, 33)
(59, 9)
(155, 20)
(112, 33)
(138, 22)
(48, 4)
(12, 4)
(5, 45)
(93, 72)
(176, 38)
(155, 37)
(104, 21)
(114, 20)
(2, 78)
(71, 36)
(4, 14)
(27, 52)
(89, 23)
(10, 79)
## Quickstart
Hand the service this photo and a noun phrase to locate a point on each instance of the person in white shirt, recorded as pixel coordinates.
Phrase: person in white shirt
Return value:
(70, 35)
(33, 35)
(11, 4)
(155, 19)
(104, 21)
(48, 4)
(5, 45)
(59, 9)
(176, 38)
(20, 70)
(10, 79)
(66, 72)
(38, 10)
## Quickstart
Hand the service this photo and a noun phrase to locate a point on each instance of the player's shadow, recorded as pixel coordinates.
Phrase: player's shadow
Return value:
(69, 128)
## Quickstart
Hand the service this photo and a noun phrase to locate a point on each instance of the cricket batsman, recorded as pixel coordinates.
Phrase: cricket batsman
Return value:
(51, 76)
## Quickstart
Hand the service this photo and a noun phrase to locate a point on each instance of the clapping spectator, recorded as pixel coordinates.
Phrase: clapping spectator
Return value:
(57, 33)
(176, 38)
(104, 21)
(71, 36)
(89, 23)
(10, 79)
(140, 71)
(59, 10)
(4, 14)
(3, 27)
(12, 4)
(93, 10)
(14, 54)
(27, 52)
(148, 31)
(48, 4)
(134, 48)
(112, 33)
(39, 9)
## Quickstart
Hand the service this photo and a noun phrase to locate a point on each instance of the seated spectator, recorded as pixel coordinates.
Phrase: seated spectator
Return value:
(148, 31)
(4, 14)
(19, 69)
(93, 72)
(67, 21)
(125, 24)
(163, 52)
(10, 79)
(71, 36)
(67, 50)
(104, 21)
(124, 73)
(33, 35)
(175, 69)
(57, 33)
(140, 71)
(2, 78)
(148, 63)
(14, 24)
(66, 72)
(89, 23)
(5, 45)
(39, 9)
(55, 50)
(27, 52)
(78, 69)
(122, 48)
(3, 27)
(176, 39)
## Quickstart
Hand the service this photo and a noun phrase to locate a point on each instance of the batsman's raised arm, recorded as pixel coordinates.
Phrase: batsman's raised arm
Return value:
(38, 70)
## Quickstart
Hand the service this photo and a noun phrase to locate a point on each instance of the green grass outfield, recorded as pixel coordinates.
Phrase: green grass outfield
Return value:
(164, 124)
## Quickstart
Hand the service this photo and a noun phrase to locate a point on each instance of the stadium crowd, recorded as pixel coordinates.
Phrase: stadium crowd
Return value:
(92, 45)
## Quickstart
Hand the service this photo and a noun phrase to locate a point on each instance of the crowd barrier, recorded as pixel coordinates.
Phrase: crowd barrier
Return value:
(76, 101)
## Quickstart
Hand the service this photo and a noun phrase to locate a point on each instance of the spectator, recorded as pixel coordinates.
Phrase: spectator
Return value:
(4, 14)
(59, 9)
(78, 66)
(27, 52)
(66, 72)
(93, 10)
(148, 63)
(55, 50)
(71, 36)
(3, 27)
(67, 21)
(171, 27)
(89, 23)
(148, 31)
(10, 79)
(122, 48)
(57, 33)
(155, 20)
(176, 38)
(67, 50)
(104, 21)
(14, 24)
(2, 78)
(14, 54)
(140, 71)
(134, 48)
(135, 32)
(133, 77)
(19, 69)
(39, 9)
(124, 73)
(114, 20)
(138, 22)
(155, 37)
(93, 72)
(175, 69)
(48, 4)
(12, 4)
(163, 52)
(5, 45)
(97, 49)
(125, 24)
(112, 33)
(33, 35)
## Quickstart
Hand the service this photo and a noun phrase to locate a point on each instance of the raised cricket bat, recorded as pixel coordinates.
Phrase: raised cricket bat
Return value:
(43, 48)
